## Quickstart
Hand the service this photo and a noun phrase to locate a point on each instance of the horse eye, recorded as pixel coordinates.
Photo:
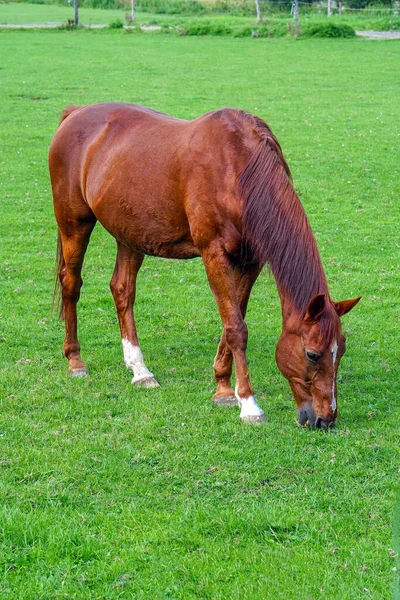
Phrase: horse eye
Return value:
(313, 356)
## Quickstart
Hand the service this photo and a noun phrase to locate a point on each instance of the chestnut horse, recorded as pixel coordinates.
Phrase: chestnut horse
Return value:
(217, 187)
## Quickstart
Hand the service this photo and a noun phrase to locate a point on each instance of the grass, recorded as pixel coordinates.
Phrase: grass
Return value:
(22, 13)
(112, 492)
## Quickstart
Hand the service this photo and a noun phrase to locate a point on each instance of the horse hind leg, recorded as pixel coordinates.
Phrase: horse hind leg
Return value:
(224, 395)
(123, 288)
(74, 237)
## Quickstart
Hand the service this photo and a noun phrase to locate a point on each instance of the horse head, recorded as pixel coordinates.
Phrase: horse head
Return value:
(308, 355)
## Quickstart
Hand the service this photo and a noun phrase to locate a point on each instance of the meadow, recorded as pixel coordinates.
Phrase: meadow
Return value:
(161, 14)
(107, 491)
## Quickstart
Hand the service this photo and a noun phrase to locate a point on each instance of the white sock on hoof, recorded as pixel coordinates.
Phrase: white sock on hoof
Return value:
(134, 361)
(249, 407)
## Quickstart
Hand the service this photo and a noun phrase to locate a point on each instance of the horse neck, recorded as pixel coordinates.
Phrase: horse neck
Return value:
(297, 268)
(276, 230)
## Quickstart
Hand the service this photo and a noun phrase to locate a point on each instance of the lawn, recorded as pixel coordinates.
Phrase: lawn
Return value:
(113, 492)
(23, 13)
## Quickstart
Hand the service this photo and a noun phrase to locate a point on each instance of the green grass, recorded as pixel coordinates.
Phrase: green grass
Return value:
(23, 13)
(112, 492)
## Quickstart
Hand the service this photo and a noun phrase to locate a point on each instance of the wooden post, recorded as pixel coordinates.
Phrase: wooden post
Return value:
(133, 11)
(329, 8)
(258, 11)
(296, 17)
(76, 15)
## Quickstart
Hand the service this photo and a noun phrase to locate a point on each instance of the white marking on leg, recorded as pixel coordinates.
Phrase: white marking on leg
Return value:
(334, 350)
(134, 361)
(248, 406)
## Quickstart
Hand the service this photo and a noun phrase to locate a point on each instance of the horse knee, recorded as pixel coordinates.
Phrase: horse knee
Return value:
(236, 336)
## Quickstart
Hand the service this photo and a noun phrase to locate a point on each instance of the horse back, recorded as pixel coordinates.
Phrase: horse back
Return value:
(162, 185)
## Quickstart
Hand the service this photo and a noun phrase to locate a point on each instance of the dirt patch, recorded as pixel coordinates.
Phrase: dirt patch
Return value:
(379, 35)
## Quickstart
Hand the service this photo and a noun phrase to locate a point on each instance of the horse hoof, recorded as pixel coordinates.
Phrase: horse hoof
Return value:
(83, 372)
(224, 400)
(146, 382)
(253, 419)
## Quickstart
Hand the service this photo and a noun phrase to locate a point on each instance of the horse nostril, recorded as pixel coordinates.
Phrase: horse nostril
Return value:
(321, 423)
(307, 415)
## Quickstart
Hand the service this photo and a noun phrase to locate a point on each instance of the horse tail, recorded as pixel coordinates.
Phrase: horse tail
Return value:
(67, 111)
(57, 301)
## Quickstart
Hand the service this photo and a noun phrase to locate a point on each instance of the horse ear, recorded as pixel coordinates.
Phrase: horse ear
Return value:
(315, 308)
(345, 306)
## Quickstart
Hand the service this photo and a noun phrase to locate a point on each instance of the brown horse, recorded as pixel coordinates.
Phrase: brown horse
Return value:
(216, 187)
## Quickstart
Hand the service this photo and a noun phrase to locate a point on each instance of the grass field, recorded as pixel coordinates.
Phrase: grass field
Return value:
(113, 492)
(20, 13)
(277, 22)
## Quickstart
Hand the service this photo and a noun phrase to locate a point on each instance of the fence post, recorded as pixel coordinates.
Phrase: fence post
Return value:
(296, 17)
(76, 16)
(258, 11)
(329, 8)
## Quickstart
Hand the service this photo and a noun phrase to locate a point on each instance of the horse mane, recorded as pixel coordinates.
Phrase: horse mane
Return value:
(276, 229)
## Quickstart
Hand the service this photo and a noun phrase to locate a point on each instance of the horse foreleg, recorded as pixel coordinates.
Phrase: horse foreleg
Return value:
(244, 278)
(74, 240)
(222, 282)
(123, 287)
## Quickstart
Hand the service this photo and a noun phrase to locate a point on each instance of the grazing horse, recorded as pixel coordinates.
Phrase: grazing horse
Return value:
(217, 187)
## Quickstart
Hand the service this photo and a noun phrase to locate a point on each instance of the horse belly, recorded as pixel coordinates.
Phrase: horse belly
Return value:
(148, 220)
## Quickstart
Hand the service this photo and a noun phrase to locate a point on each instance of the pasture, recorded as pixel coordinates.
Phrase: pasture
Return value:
(275, 23)
(113, 492)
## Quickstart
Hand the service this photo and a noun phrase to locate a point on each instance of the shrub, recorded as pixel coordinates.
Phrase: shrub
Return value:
(275, 29)
(117, 24)
(330, 30)
(243, 32)
(102, 3)
(172, 7)
(365, 3)
(208, 29)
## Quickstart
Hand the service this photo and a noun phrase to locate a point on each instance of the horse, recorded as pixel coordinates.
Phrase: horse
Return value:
(216, 187)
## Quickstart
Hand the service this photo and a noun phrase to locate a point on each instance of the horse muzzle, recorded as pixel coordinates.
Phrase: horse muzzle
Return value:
(307, 416)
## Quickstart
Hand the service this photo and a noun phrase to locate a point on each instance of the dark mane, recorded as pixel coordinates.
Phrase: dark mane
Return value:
(275, 227)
